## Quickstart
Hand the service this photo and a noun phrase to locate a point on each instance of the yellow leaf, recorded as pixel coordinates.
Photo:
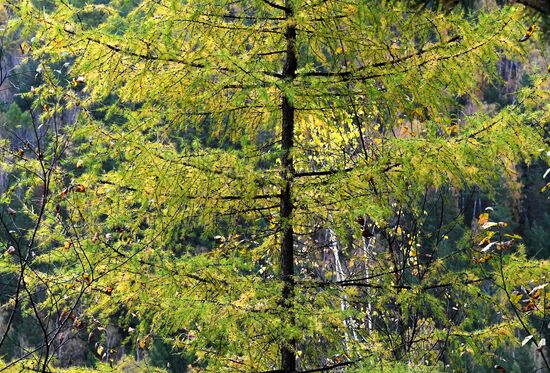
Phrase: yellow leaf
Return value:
(503, 332)
(87, 278)
(483, 218)
(487, 239)
(451, 130)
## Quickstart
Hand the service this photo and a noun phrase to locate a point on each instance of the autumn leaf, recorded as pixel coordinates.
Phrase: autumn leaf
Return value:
(80, 188)
(483, 219)
(87, 278)
(64, 193)
(536, 292)
(514, 236)
(487, 239)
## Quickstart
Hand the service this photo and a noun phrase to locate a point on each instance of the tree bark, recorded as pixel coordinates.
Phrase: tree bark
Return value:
(288, 347)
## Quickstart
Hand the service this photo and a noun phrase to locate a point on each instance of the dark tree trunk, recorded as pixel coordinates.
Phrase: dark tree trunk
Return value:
(288, 347)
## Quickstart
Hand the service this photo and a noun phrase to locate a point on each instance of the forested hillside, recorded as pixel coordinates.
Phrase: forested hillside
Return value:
(274, 186)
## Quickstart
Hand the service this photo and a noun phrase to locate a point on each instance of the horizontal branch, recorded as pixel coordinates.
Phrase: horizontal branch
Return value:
(383, 63)
(335, 172)
(325, 368)
(355, 283)
(322, 173)
(276, 6)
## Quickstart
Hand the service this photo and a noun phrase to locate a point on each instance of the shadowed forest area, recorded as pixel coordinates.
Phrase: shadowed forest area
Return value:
(274, 186)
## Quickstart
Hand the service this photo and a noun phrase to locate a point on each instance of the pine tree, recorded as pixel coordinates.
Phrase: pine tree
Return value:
(217, 140)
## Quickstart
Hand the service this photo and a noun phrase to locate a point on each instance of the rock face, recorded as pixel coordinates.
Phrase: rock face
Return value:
(542, 6)
(71, 352)
(539, 359)
(9, 60)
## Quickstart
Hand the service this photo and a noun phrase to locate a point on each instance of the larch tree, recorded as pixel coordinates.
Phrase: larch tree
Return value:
(224, 149)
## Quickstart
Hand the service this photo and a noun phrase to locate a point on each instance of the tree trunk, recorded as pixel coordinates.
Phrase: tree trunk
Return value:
(288, 347)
